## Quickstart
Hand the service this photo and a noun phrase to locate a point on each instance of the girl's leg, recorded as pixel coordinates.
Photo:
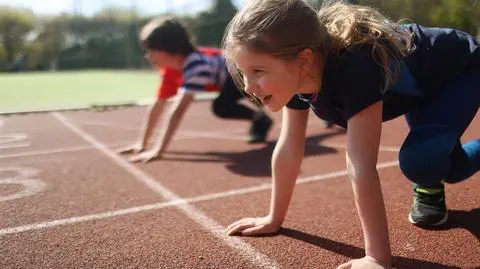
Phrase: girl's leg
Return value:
(432, 153)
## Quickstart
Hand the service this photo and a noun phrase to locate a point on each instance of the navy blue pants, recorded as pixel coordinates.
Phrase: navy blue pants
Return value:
(432, 151)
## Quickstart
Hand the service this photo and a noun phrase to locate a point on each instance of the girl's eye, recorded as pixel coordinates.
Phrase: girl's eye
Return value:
(257, 71)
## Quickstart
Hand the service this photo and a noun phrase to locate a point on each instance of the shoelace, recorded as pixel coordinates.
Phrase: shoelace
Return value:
(428, 198)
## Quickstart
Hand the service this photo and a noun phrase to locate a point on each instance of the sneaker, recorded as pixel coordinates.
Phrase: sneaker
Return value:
(428, 208)
(260, 128)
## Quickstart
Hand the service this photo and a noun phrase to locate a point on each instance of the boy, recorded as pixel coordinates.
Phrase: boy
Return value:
(187, 70)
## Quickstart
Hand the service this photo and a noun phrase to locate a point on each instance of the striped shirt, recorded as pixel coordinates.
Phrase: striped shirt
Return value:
(204, 70)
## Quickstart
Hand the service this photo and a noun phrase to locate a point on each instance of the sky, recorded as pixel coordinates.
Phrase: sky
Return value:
(89, 7)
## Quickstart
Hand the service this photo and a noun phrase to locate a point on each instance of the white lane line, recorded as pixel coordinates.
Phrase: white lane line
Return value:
(50, 151)
(185, 137)
(185, 134)
(188, 136)
(191, 200)
(233, 134)
(190, 211)
(343, 146)
(72, 220)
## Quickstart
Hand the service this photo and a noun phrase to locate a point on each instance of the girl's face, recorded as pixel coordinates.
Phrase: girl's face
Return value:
(273, 81)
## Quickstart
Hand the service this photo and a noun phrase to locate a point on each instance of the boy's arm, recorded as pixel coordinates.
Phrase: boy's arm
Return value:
(149, 123)
(176, 114)
(361, 157)
(167, 89)
(177, 111)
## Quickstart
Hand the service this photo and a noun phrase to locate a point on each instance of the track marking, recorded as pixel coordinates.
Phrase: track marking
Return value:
(23, 177)
(185, 134)
(343, 146)
(82, 148)
(190, 211)
(233, 134)
(50, 151)
(191, 200)
(11, 140)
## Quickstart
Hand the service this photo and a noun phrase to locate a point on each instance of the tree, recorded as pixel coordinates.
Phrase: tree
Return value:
(460, 14)
(15, 25)
(210, 25)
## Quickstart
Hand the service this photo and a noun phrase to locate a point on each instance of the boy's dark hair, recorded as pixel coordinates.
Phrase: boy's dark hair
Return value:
(166, 34)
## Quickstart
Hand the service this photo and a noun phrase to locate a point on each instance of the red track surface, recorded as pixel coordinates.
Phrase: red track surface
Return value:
(94, 210)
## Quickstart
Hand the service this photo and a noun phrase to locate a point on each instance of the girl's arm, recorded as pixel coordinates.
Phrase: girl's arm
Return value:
(286, 160)
(363, 139)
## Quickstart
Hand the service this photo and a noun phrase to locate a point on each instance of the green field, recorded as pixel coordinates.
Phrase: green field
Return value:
(60, 90)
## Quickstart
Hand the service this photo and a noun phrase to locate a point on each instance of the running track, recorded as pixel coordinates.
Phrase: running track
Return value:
(68, 201)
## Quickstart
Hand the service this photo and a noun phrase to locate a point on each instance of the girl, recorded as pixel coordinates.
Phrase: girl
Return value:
(354, 67)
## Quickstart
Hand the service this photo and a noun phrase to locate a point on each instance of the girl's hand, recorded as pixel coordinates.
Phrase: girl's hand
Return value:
(145, 156)
(134, 148)
(366, 262)
(253, 226)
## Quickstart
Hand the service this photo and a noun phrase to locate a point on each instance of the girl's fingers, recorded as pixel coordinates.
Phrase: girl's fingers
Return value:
(255, 230)
(237, 223)
(239, 227)
(347, 265)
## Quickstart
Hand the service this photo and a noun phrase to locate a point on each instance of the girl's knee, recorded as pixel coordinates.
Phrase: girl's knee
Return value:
(425, 154)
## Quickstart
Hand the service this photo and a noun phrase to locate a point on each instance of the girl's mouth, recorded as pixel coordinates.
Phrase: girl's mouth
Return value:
(265, 100)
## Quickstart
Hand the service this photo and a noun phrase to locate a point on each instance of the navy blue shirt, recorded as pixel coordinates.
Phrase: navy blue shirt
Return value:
(353, 80)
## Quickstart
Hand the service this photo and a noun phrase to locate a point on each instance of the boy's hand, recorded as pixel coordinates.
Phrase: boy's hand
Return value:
(253, 226)
(134, 148)
(145, 156)
(366, 262)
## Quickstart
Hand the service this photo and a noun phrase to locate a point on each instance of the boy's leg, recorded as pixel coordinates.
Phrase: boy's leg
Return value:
(226, 106)
(432, 153)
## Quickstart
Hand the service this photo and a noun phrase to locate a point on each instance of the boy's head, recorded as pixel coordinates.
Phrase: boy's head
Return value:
(165, 41)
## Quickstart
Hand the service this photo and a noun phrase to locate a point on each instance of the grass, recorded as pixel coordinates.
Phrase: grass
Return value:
(57, 90)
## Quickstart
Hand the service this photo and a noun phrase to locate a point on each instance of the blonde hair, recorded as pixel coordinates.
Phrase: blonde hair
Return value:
(282, 28)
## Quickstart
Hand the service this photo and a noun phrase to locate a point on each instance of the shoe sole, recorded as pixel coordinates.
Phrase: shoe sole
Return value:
(438, 223)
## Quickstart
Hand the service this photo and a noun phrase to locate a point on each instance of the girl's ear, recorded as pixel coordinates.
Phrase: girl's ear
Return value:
(306, 60)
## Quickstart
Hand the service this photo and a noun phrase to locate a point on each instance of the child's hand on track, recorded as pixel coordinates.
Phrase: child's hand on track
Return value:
(145, 156)
(253, 226)
(366, 262)
(134, 148)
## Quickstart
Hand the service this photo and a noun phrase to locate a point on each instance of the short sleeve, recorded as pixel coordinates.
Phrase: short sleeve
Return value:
(297, 103)
(361, 82)
(171, 81)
